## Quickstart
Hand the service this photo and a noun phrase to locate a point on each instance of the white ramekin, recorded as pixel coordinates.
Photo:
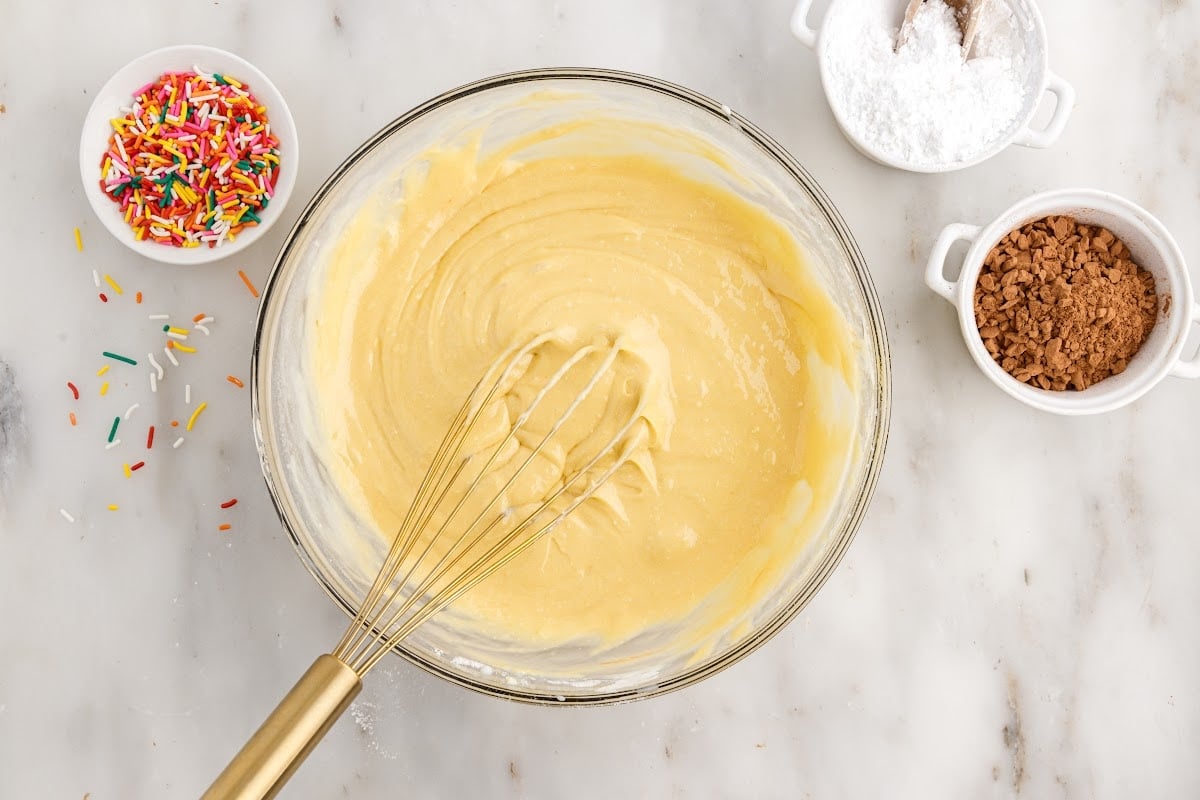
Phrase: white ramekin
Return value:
(1041, 80)
(1153, 248)
(93, 141)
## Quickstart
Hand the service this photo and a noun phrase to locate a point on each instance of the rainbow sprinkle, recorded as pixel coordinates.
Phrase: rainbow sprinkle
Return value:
(112, 434)
(195, 415)
(246, 280)
(193, 160)
(78, 240)
(115, 357)
(157, 367)
(116, 287)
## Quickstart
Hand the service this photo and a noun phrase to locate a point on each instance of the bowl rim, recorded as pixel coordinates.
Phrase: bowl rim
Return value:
(137, 72)
(1036, 86)
(875, 334)
(1077, 203)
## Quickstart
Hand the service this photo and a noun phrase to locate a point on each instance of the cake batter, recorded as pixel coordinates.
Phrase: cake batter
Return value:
(744, 366)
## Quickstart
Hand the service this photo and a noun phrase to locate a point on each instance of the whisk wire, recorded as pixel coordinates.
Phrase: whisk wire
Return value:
(359, 632)
(365, 640)
(471, 577)
(457, 552)
(451, 443)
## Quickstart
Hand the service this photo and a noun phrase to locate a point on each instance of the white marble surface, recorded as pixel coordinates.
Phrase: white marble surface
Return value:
(1019, 613)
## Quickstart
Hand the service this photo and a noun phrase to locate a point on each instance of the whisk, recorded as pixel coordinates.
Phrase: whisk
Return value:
(416, 581)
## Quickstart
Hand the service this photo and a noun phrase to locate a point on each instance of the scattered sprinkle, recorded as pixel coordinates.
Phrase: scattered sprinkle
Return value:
(128, 471)
(160, 316)
(138, 298)
(196, 415)
(155, 364)
(178, 442)
(74, 389)
(96, 278)
(246, 280)
(129, 411)
(116, 287)
(113, 507)
(103, 297)
(66, 515)
(235, 381)
(207, 320)
(224, 526)
(78, 240)
(74, 421)
(171, 356)
(153, 383)
(229, 503)
(104, 388)
(187, 394)
(198, 318)
(201, 327)
(112, 444)
(102, 370)
(174, 335)
(116, 357)
(174, 423)
(182, 346)
(137, 466)
(112, 434)
(150, 438)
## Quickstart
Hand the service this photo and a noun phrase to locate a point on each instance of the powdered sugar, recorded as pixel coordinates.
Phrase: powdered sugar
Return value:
(924, 105)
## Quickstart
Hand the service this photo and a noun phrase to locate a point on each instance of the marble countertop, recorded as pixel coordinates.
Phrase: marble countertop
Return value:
(1017, 617)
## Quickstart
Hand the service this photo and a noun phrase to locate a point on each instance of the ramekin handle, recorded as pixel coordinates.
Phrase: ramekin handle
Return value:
(1189, 367)
(800, 27)
(1064, 94)
(935, 277)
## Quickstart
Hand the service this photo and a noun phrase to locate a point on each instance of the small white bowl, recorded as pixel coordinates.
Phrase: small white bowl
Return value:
(1041, 80)
(93, 142)
(1153, 249)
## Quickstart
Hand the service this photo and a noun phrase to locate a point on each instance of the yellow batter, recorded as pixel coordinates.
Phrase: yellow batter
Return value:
(744, 365)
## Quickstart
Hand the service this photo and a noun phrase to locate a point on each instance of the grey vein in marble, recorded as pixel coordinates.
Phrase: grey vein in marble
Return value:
(14, 434)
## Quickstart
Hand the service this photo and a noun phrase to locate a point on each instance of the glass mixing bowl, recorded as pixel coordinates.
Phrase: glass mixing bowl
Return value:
(328, 535)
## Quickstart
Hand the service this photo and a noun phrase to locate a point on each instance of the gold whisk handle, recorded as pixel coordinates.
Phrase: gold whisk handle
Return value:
(289, 734)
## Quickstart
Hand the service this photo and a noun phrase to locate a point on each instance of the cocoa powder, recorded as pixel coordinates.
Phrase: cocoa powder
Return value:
(1061, 305)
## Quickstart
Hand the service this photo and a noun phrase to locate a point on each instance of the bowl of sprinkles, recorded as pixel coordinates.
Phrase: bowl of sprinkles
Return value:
(188, 154)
